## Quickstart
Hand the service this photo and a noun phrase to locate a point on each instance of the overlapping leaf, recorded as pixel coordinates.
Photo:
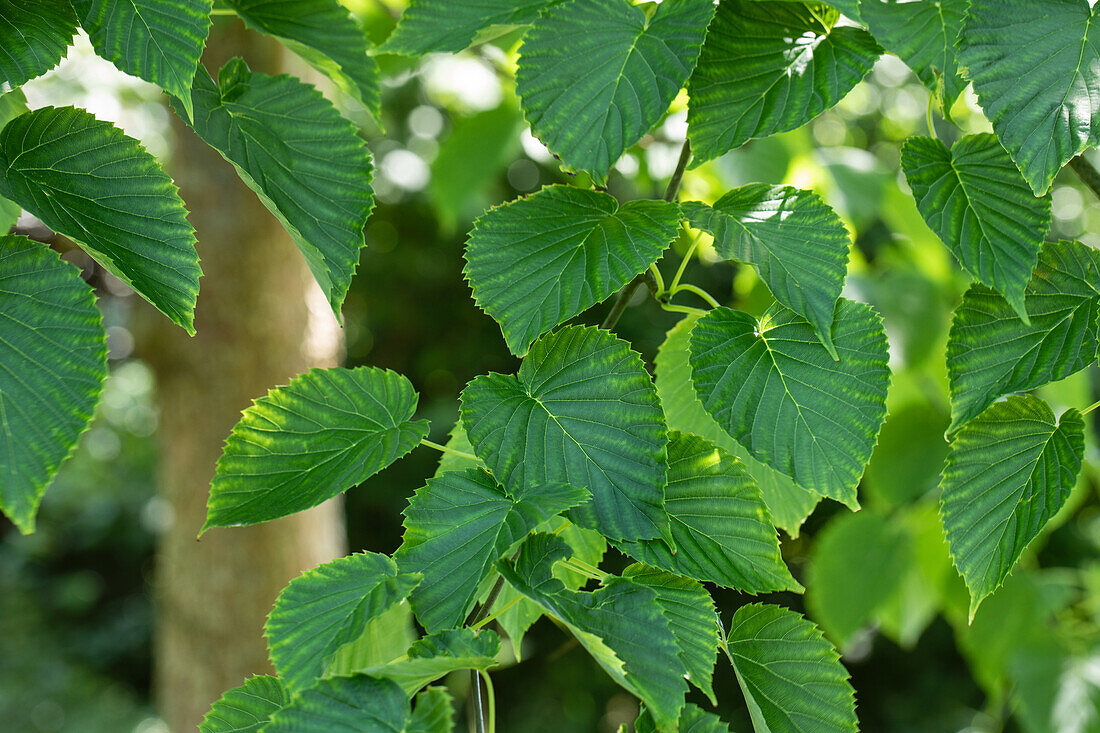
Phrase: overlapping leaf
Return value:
(248, 708)
(773, 386)
(12, 105)
(769, 67)
(436, 656)
(34, 37)
(87, 180)
(324, 432)
(596, 75)
(540, 260)
(581, 411)
(54, 355)
(356, 704)
(1008, 472)
(693, 719)
(441, 25)
(432, 713)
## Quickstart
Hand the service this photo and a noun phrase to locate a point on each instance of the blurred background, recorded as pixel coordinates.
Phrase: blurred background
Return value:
(77, 597)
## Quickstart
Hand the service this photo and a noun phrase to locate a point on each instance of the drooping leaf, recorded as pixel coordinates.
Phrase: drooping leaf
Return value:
(440, 25)
(975, 200)
(436, 656)
(12, 105)
(355, 704)
(432, 713)
(324, 432)
(159, 41)
(791, 676)
(793, 239)
(386, 637)
(769, 67)
(305, 162)
(323, 33)
(1008, 472)
(538, 261)
(248, 708)
(595, 75)
(87, 180)
(54, 355)
(581, 411)
(1036, 71)
(991, 352)
(34, 37)
(327, 607)
(773, 386)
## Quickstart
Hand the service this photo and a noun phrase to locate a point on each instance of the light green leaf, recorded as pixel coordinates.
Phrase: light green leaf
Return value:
(87, 180)
(595, 75)
(850, 8)
(991, 353)
(1036, 71)
(323, 33)
(433, 712)
(692, 720)
(385, 638)
(793, 239)
(721, 529)
(1008, 472)
(246, 709)
(540, 260)
(974, 199)
(773, 386)
(440, 654)
(356, 704)
(792, 678)
(324, 432)
(442, 25)
(34, 36)
(788, 503)
(12, 105)
(54, 355)
(328, 607)
(457, 440)
(769, 67)
(306, 163)
(581, 411)
(159, 41)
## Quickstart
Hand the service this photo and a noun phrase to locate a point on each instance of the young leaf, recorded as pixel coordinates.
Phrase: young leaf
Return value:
(306, 163)
(54, 355)
(328, 607)
(792, 678)
(156, 40)
(595, 75)
(581, 411)
(326, 431)
(1035, 71)
(540, 260)
(991, 353)
(769, 67)
(1008, 472)
(442, 25)
(34, 37)
(248, 708)
(974, 199)
(87, 180)
(356, 704)
(433, 712)
(797, 244)
(438, 655)
(773, 386)
(693, 719)
(721, 529)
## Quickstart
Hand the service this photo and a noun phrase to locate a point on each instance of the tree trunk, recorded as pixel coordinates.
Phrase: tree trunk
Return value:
(261, 320)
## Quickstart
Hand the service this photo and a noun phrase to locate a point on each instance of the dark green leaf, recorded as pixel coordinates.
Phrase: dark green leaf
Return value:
(246, 709)
(440, 654)
(443, 25)
(433, 712)
(34, 37)
(356, 704)
(693, 719)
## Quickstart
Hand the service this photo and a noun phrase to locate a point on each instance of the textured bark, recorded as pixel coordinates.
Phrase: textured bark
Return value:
(260, 320)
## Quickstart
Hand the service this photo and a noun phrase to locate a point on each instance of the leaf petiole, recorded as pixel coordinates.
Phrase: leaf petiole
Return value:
(495, 614)
(451, 451)
(1090, 408)
(688, 287)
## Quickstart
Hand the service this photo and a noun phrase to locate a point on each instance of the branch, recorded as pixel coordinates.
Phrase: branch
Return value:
(1087, 173)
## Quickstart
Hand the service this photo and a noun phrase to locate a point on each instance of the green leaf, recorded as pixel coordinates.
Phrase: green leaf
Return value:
(974, 199)
(442, 25)
(457, 527)
(246, 709)
(440, 654)
(991, 353)
(595, 75)
(792, 678)
(773, 386)
(328, 607)
(788, 503)
(1008, 472)
(385, 638)
(326, 431)
(34, 36)
(769, 67)
(433, 712)
(581, 411)
(923, 35)
(159, 41)
(721, 529)
(356, 704)
(692, 720)
(12, 105)
(1035, 70)
(776, 229)
(54, 356)
(850, 8)
(87, 180)
(323, 33)
(540, 260)
(306, 163)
